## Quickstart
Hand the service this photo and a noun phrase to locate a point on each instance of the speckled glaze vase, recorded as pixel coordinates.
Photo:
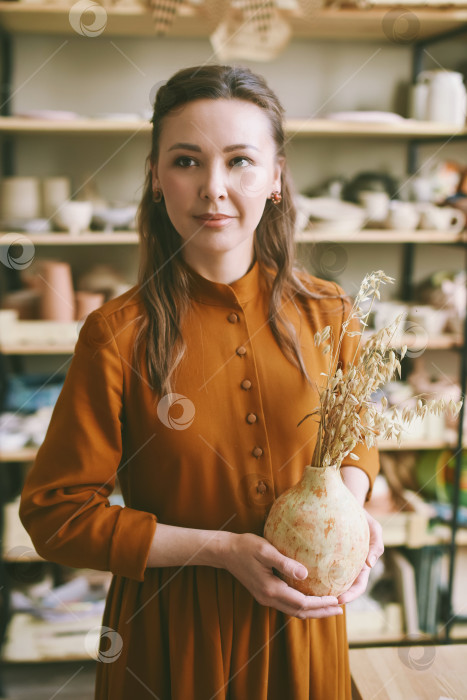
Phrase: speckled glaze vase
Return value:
(319, 523)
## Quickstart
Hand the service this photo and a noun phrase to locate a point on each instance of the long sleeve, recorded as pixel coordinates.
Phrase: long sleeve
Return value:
(64, 503)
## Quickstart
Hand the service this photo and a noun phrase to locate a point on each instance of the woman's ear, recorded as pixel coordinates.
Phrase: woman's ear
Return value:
(155, 179)
(277, 182)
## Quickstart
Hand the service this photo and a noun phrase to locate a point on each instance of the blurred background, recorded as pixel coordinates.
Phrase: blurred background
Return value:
(375, 104)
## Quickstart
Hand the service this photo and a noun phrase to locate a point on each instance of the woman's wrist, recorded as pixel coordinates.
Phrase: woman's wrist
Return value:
(181, 546)
(357, 482)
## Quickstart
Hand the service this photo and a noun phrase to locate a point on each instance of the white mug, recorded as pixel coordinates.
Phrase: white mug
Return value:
(376, 205)
(441, 218)
(74, 216)
(402, 215)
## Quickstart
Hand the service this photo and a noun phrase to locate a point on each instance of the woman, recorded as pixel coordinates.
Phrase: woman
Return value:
(190, 387)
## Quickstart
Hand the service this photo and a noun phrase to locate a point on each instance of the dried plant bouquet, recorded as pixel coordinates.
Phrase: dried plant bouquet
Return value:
(346, 413)
(318, 521)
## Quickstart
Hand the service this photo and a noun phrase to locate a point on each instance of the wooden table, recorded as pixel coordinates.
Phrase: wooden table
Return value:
(410, 673)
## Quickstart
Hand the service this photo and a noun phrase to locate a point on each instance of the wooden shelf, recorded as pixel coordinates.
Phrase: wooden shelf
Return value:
(358, 237)
(411, 529)
(439, 342)
(326, 23)
(26, 125)
(420, 444)
(409, 128)
(37, 349)
(31, 639)
(85, 238)
(295, 128)
(383, 236)
(446, 341)
(25, 454)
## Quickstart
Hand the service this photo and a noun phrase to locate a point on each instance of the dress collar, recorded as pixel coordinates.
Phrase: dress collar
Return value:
(218, 294)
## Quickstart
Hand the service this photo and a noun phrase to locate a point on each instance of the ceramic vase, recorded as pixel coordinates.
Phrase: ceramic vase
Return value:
(319, 523)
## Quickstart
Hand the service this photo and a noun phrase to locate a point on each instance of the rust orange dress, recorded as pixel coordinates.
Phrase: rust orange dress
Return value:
(214, 460)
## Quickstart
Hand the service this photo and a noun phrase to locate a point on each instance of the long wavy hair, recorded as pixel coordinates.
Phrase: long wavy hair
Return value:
(163, 280)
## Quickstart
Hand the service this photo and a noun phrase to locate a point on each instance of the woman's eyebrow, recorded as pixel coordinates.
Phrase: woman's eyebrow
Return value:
(194, 147)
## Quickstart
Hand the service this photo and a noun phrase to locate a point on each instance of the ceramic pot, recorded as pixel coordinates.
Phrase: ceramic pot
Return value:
(20, 198)
(57, 293)
(319, 523)
(86, 302)
(55, 192)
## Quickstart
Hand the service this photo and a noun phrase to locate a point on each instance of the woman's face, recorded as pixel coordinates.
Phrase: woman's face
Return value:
(216, 159)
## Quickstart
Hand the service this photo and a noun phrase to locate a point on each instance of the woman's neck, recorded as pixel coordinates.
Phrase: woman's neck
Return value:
(222, 268)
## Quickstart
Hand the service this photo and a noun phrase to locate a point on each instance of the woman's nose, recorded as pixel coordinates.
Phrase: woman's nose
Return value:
(214, 183)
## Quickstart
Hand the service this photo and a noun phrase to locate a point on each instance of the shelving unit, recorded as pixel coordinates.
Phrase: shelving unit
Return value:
(327, 23)
(296, 128)
(84, 238)
(364, 236)
(28, 454)
(441, 342)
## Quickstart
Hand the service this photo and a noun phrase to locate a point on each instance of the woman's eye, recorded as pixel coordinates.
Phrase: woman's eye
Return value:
(184, 161)
(238, 161)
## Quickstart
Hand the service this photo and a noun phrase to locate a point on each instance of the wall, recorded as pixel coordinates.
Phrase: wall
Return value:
(99, 75)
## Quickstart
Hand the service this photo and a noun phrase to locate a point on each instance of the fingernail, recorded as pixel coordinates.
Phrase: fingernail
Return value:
(372, 560)
(300, 573)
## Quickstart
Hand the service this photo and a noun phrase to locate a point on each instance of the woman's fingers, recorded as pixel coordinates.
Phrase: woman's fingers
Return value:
(252, 560)
(286, 598)
(272, 558)
(293, 602)
(376, 540)
(357, 588)
(375, 551)
(304, 607)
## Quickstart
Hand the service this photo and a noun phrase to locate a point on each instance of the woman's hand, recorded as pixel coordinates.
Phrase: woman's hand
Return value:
(376, 549)
(251, 560)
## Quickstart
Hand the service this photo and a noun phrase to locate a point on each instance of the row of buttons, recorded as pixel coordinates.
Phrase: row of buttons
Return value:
(251, 418)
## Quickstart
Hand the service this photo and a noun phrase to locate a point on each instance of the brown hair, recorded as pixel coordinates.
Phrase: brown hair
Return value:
(162, 279)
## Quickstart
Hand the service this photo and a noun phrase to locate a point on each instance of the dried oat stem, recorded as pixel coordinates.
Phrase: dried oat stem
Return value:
(346, 412)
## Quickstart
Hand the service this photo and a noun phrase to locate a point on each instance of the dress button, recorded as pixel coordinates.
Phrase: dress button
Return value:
(232, 318)
(257, 452)
(241, 351)
(246, 384)
(251, 418)
(256, 491)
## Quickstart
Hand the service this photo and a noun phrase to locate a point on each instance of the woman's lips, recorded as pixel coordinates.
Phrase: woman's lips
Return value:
(214, 221)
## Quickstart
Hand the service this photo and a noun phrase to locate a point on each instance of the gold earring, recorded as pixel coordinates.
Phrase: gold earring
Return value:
(157, 196)
(276, 197)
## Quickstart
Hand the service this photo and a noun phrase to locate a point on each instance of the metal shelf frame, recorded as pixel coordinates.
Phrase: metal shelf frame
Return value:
(450, 618)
